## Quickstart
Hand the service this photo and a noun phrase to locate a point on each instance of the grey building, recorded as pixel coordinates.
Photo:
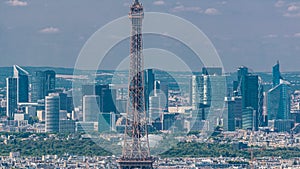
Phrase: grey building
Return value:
(91, 108)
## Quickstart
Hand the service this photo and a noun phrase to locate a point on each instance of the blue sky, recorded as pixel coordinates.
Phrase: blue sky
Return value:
(253, 33)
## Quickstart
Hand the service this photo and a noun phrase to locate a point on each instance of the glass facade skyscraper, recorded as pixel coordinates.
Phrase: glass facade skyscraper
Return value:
(279, 101)
(43, 83)
(149, 87)
(11, 96)
(276, 74)
(91, 108)
(23, 83)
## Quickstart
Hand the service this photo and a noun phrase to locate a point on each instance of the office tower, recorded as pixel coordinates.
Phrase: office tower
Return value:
(218, 91)
(43, 83)
(63, 101)
(279, 101)
(238, 111)
(164, 89)
(70, 104)
(11, 96)
(52, 113)
(136, 150)
(50, 81)
(154, 108)
(149, 87)
(251, 96)
(161, 89)
(200, 96)
(262, 117)
(248, 116)
(106, 122)
(23, 84)
(106, 95)
(201, 91)
(90, 108)
(229, 114)
(168, 120)
(241, 73)
(250, 88)
(38, 89)
(276, 74)
(107, 98)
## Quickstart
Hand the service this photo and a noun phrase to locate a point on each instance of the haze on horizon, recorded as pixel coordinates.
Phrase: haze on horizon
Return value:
(52, 32)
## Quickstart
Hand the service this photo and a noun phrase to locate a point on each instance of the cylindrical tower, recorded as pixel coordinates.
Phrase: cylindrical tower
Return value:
(52, 113)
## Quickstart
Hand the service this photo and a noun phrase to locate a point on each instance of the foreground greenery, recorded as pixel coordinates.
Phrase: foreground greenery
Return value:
(226, 150)
(44, 144)
(52, 146)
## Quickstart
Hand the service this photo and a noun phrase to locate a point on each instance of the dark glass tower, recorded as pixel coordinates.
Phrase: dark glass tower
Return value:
(276, 74)
(23, 83)
(107, 98)
(250, 96)
(149, 87)
(11, 96)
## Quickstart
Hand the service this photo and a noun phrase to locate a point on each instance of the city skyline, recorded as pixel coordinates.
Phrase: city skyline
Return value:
(165, 99)
(255, 34)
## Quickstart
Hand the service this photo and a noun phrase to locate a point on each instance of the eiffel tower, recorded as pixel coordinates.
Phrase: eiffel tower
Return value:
(136, 151)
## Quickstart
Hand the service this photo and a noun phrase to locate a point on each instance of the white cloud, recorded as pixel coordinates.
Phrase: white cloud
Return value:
(297, 35)
(293, 7)
(17, 3)
(159, 2)
(182, 8)
(49, 30)
(271, 36)
(212, 11)
(279, 3)
(292, 15)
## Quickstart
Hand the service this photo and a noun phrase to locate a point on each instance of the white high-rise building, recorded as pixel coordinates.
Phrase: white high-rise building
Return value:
(52, 113)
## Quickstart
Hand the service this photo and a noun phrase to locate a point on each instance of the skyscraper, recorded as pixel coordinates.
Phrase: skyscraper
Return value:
(107, 98)
(50, 81)
(251, 96)
(11, 96)
(249, 87)
(38, 89)
(276, 74)
(149, 87)
(279, 101)
(136, 151)
(43, 83)
(248, 116)
(23, 83)
(91, 108)
(229, 114)
(52, 113)
(200, 96)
